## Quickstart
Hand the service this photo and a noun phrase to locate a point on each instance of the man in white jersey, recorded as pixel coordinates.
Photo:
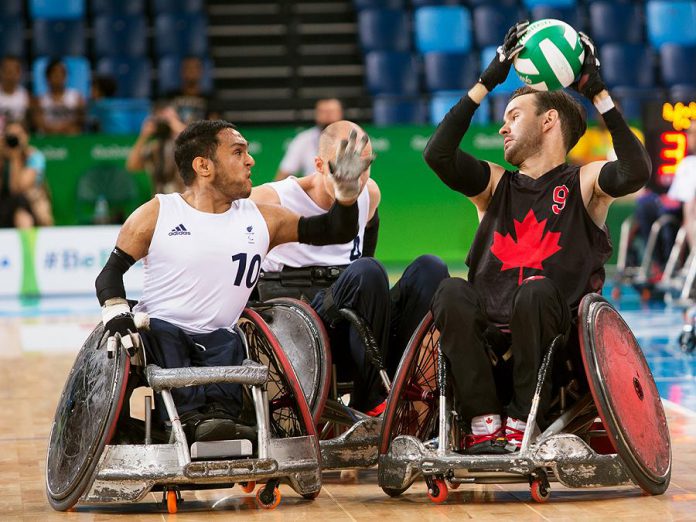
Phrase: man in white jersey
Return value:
(202, 251)
(348, 273)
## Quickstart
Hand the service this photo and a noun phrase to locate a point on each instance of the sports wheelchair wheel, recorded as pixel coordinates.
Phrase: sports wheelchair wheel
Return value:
(304, 340)
(289, 413)
(85, 419)
(625, 394)
(412, 405)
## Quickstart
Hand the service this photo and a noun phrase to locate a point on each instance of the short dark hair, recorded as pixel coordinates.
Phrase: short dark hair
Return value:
(572, 115)
(55, 62)
(199, 138)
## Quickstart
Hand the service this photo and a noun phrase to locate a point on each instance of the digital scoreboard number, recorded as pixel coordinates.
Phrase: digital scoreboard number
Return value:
(665, 137)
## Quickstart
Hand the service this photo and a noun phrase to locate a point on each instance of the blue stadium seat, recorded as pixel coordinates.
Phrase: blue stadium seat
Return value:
(58, 38)
(120, 35)
(397, 110)
(178, 6)
(678, 64)
(12, 35)
(491, 22)
(78, 74)
(671, 22)
(425, 3)
(57, 9)
(181, 35)
(682, 93)
(474, 3)
(627, 64)
(391, 72)
(169, 75)
(384, 30)
(122, 7)
(530, 4)
(443, 28)
(442, 102)
(571, 15)
(379, 4)
(132, 75)
(614, 22)
(511, 83)
(450, 71)
(120, 115)
(631, 100)
(11, 8)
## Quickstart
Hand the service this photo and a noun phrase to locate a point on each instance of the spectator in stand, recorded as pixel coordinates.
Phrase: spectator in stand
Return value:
(61, 110)
(23, 170)
(304, 148)
(153, 151)
(191, 102)
(103, 86)
(14, 99)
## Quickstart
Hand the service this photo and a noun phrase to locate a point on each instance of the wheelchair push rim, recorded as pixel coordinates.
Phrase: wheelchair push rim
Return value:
(85, 419)
(625, 394)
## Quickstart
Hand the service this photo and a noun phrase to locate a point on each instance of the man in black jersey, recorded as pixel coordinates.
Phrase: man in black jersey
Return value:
(540, 246)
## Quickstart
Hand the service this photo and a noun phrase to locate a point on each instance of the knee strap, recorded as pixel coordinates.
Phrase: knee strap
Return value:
(329, 309)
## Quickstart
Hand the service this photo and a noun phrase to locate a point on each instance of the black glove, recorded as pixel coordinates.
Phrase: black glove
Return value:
(497, 71)
(120, 329)
(589, 83)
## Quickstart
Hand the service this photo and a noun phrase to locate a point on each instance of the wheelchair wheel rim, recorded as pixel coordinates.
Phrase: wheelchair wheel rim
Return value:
(412, 404)
(304, 340)
(625, 393)
(85, 417)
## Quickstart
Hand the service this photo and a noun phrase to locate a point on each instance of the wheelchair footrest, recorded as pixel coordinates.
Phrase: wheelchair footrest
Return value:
(221, 449)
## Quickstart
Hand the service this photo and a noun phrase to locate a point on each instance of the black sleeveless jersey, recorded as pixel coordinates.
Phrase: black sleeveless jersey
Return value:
(537, 227)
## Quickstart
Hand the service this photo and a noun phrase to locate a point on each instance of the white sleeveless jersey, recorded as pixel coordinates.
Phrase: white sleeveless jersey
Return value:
(201, 267)
(293, 197)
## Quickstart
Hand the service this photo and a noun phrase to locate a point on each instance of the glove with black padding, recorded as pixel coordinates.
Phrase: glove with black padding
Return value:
(346, 168)
(589, 83)
(119, 327)
(497, 71)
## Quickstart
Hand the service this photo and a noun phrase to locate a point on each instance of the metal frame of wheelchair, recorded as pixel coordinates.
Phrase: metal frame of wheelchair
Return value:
(348, 438)
(87, 464)
(421, 435)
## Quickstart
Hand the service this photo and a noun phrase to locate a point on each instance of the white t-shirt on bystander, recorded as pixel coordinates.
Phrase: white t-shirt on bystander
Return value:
(683, 186)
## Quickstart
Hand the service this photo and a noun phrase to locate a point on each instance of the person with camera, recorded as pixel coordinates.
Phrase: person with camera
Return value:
(23, 172)
(153, 151)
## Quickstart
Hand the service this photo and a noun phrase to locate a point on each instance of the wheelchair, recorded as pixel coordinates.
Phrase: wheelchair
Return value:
(348, 438)
(614, 434)
(99, 454)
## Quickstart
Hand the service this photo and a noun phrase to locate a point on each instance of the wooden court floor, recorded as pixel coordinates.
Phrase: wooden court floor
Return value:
(30, 385)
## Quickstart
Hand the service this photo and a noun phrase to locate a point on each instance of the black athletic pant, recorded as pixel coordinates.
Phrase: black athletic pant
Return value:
(392, 317)
(539, 313)
(168, 346)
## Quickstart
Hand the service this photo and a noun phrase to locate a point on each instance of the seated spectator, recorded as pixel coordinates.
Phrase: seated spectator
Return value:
(153, 151)
(61, 110)
(23, 168)
(190, 101)
(14, 99)
(103, 87)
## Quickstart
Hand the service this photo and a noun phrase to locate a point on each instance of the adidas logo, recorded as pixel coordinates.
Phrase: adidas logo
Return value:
(180, 231)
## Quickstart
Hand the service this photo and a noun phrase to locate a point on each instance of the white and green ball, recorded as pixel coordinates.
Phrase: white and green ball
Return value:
(551, 57)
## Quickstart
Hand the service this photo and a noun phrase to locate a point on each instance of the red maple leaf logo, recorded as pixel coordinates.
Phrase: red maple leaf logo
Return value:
(530, 249)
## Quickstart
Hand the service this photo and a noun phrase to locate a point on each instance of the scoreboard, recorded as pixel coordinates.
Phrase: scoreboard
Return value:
(664, 126)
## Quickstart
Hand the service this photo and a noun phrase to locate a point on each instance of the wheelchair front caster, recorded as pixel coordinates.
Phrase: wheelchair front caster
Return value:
(540, 491)
(172, 498)
(248, 487)
(268, 497)
(437, 490)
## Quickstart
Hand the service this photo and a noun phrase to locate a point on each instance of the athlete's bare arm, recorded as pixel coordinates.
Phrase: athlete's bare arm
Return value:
(136, 233)
(375, 197)
(281, 222)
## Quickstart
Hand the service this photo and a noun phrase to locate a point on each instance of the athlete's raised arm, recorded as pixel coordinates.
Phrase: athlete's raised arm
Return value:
(457, 169)
(340, 223)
